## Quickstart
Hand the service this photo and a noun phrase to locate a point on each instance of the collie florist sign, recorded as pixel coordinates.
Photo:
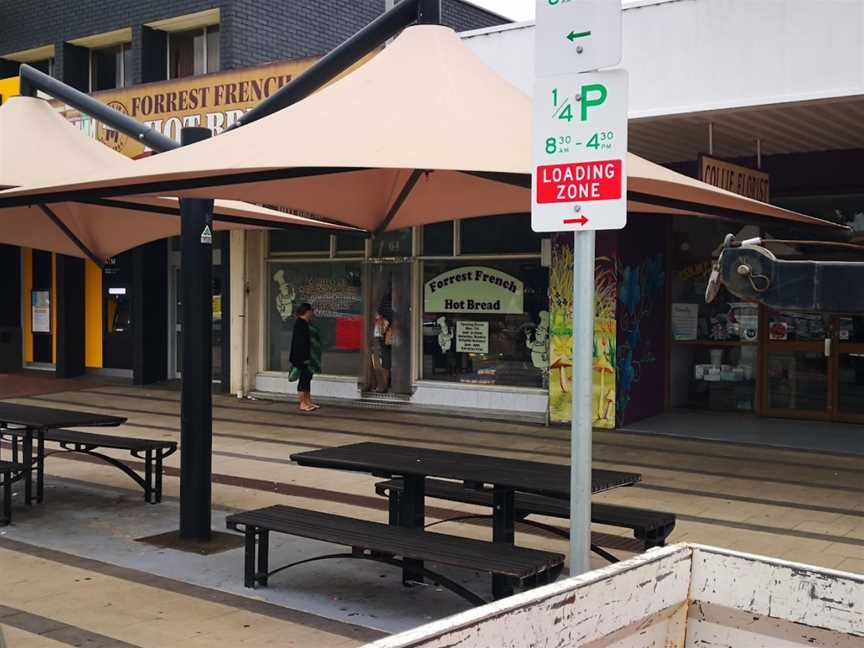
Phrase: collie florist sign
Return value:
(580, 152)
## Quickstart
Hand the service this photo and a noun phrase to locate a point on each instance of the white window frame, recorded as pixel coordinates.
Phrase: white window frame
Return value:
(205, 30)
(124, 47)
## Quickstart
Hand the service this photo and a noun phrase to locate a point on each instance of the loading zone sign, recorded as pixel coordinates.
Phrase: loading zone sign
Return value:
(580, 152)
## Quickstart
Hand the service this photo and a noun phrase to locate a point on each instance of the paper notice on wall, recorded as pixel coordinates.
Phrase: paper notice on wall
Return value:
(472, 337)
(685, 319)
(41, 311)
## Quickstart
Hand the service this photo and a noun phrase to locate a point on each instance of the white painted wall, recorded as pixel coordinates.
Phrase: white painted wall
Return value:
(693, 55)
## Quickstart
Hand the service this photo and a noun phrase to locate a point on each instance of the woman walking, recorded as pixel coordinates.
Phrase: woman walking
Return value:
(305, 356)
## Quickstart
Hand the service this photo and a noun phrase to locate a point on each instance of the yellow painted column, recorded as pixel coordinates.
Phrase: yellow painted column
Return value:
(92, 315)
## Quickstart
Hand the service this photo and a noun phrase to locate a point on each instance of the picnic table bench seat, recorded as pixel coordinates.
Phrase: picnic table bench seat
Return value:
(391, 545)
(152, 451)
(9, 472)
(650, 528)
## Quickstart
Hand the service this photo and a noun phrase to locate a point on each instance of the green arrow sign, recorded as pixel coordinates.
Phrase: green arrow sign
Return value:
(572, 36)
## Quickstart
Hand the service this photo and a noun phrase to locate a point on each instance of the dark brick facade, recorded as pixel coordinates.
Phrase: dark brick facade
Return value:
(252, 32)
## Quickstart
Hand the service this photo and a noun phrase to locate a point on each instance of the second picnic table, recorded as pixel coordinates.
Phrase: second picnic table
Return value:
(505, 476)
(34, 421)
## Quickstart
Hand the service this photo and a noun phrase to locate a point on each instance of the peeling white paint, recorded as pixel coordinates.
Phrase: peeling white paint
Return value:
(684, 596)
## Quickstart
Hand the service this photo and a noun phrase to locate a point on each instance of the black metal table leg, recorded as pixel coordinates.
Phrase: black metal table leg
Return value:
(148, 476)
(27, 458)
(249, 562)
(412, 514)
(263, 556)
(40, 465)
(6, 513)
(503, 531)
(158, 476)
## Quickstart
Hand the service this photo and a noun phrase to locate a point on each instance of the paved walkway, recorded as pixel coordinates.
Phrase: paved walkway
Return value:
(797, 505)
(748, 429)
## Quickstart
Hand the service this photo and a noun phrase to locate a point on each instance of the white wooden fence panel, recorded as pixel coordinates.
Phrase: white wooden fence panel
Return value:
(811, 596)
(714, 625)
(572, 612)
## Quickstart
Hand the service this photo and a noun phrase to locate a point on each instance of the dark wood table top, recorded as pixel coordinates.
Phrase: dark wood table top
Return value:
(393, 460)
(31, 416)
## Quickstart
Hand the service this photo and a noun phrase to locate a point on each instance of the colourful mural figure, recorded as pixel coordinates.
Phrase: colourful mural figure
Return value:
(561, 334)
(640, 293)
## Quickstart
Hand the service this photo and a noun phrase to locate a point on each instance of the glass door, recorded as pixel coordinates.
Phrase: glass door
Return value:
(797, 365)
(388, 334)
(814, 367)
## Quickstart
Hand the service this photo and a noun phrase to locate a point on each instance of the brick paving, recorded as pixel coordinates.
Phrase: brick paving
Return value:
(800, 506)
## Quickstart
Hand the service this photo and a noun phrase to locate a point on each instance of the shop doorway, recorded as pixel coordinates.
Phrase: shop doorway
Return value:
(814, 367)
(388, 331)
(117, 347)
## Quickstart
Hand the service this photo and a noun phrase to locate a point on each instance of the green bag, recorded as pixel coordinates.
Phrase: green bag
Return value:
(294, 375)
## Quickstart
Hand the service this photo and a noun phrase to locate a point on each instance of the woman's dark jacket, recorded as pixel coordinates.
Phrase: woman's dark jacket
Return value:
(301, 343)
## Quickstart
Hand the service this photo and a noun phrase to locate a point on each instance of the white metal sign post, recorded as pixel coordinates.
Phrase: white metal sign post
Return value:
(580, 184)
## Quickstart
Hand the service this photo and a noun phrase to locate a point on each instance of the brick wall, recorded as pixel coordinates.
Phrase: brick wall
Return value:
(252, 31)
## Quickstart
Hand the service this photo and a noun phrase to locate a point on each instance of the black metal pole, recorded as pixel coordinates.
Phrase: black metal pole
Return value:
(196, 415)
(33, 80)
(429, 12)
(338, 60)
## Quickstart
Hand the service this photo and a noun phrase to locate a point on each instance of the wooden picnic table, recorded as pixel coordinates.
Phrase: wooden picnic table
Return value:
(505, 476)
(34, 421)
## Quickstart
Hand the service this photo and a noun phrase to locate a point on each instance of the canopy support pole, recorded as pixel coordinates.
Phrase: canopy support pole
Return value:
(196, 413)
(70, 235)
(583, 396)
(429, 12)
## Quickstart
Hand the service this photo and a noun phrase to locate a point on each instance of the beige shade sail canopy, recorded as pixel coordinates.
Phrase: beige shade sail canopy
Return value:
(38, 145)
(424, 132)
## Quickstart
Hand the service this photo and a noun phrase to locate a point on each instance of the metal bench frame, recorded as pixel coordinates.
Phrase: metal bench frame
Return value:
(10, 472)
(256, 566)
(153, 459)
(642, 541)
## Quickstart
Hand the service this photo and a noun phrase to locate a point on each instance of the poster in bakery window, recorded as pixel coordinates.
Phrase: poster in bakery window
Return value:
(472, 337)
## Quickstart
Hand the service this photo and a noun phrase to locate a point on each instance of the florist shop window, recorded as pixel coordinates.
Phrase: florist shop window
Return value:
(714, 346)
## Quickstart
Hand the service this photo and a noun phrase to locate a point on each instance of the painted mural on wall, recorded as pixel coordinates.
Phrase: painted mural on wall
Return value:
(641, 320)
(561, 331)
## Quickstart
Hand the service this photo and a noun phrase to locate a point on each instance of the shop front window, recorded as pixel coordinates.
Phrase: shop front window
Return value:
(715, 346)
(334, 289)
(485, 322)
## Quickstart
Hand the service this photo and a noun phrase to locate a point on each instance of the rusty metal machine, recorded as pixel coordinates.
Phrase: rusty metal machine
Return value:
(750, 271)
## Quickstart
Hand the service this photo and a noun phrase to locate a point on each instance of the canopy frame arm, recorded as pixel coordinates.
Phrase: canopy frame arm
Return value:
(407, 188)
(163, 187)
(346, 54)
(71, 235)
(33, 80)
(842, 233)
(223, 218)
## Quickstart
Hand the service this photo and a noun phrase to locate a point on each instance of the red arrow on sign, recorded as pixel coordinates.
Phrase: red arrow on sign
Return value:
(581, 220)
